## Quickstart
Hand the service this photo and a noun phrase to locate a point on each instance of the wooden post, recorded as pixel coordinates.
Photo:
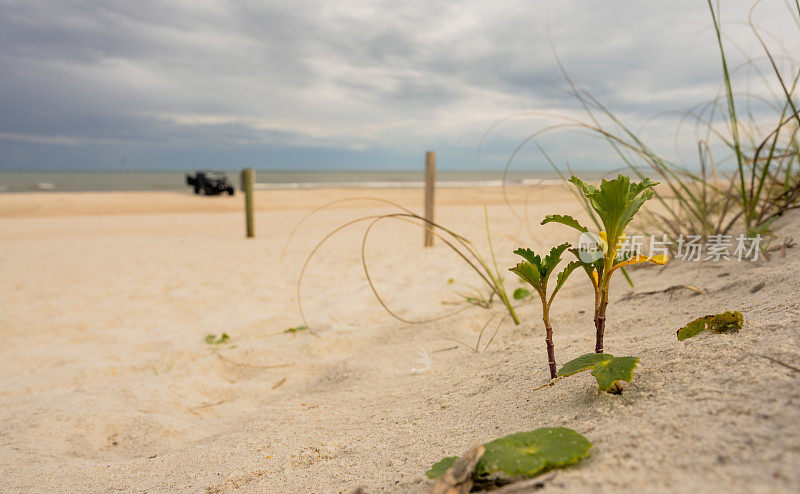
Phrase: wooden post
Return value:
(248, 177)
(430, 183)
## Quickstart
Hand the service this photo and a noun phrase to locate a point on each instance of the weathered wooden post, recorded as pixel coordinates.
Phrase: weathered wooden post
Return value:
(430, 183)
(248, 177)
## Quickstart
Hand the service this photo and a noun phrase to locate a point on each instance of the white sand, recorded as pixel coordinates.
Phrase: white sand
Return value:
(107, 384)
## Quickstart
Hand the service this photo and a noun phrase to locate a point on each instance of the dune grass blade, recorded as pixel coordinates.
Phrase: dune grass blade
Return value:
(766, 181)
(460, 245)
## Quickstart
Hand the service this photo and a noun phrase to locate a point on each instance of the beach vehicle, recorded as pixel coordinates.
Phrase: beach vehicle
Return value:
(209, 183)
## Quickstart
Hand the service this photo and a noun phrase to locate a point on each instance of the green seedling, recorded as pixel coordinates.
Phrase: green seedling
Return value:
(616, 202)
(727, 322)
(296, 329)
(212, 339)
(607, 369)
(524, 454)
(536, 271)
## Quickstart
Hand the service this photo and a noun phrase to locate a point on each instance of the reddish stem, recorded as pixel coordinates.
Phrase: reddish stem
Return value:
(551, 353)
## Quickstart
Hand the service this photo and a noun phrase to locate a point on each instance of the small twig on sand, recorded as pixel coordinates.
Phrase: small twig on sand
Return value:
(207, 405)
(279, 383)
(525, 486)
(254, 366)
(776, 361)
(454, 340)
(445, 349)
(670, 290)
(458, 479)
(552, 382)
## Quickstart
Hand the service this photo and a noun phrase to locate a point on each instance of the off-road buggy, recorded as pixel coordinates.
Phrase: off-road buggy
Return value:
(209, 183)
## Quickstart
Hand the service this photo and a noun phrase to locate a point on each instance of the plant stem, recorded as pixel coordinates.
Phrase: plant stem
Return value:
(600, 319)
(551, 352)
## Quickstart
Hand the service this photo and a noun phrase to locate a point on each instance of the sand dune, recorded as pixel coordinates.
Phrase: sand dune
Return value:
(105, 300)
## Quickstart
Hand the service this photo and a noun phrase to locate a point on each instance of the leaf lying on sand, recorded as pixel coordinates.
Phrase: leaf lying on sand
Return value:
(607, 369)
(727, 322)
(525, 453)
(521, 293)
(441, 467)
(212, 339)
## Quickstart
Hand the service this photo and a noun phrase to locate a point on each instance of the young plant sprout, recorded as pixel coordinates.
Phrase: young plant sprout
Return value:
(616, 202)
(537, 272)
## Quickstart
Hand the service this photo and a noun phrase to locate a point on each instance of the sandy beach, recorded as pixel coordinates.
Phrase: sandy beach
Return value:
(108, 384)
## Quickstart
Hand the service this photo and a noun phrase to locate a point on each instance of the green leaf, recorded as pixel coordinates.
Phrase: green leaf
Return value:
(616, 202)
(529, 273)
(727, 322)
(521, 293)
(564, 220)
(554, 257)
(545, 266)
(607, 369)
(441, 467)
(213, 340)
(529, 256)
(530, 453)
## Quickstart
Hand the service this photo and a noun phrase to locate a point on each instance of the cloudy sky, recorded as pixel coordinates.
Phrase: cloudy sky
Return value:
(347, 84)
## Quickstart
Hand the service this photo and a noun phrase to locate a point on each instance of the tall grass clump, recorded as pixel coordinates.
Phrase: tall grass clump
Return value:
(747, 170)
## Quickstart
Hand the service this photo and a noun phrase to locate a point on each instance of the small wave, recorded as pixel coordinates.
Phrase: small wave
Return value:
(541, 181)
(376, 185)
(46, 186)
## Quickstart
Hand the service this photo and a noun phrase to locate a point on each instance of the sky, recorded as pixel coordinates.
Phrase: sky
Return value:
(353, 84)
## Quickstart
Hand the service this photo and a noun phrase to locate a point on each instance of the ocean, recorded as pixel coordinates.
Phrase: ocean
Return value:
(81, 181)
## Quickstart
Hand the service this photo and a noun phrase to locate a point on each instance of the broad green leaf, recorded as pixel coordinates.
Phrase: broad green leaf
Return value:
(544, 267)
(441, 467)
(531, 257)
(521, 293)
(564, 220)
(607, 369)
(727, 322)
(553, 258)
(529, 273)
(616, 202)
(530, 453)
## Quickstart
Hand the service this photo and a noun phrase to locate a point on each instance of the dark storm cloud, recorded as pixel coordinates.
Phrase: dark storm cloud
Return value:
(254, 78)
